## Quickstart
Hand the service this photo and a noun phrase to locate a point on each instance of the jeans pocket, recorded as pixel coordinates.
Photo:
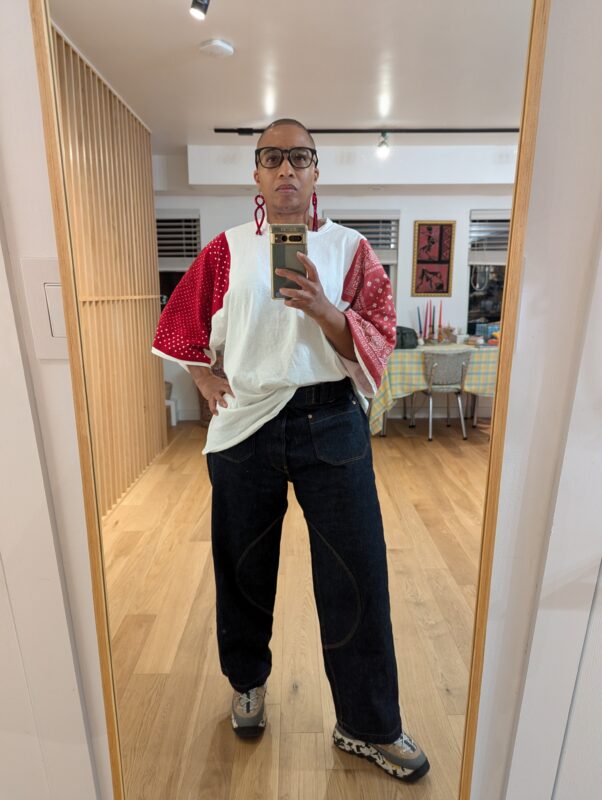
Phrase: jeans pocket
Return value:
(339, 434)
(238, 452)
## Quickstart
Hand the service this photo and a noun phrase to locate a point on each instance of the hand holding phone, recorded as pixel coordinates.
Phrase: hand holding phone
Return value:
(285, 242)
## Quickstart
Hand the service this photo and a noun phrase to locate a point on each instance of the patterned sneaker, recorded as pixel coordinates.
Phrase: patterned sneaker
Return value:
(248, 712)
(402, 759)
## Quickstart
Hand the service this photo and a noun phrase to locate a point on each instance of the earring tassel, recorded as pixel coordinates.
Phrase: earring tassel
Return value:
(259, 212)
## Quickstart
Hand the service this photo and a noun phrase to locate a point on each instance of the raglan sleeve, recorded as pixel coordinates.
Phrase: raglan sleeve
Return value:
(184, 329)
(370, 312)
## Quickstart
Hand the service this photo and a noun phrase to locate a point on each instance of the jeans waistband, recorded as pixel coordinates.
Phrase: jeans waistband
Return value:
(318, 393)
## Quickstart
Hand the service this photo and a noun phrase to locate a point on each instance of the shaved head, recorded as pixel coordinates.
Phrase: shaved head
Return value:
(295, 122)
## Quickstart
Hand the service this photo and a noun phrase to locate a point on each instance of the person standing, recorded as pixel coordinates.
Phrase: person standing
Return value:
(292, 408)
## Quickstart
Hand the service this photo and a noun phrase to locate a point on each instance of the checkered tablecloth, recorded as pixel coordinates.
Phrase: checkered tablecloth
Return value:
(405, 375)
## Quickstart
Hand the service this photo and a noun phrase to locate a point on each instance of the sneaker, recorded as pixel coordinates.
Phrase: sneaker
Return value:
(403, 759)
(248, 712)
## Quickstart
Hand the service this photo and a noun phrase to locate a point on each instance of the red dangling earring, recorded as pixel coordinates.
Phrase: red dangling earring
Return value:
(314, 202)
(259, 212)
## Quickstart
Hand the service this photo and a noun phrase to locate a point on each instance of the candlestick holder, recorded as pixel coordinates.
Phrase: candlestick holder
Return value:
(448, 334)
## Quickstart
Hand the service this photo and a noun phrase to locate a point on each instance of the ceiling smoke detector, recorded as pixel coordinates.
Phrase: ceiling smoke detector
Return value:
(217, 48)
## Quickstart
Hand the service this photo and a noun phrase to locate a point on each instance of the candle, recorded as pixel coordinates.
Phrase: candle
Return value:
(419, 322)
(427, 321)
(440, 316)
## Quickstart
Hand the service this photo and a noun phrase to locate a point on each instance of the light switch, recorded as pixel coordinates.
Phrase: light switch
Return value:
(42, 283)
(54, 302)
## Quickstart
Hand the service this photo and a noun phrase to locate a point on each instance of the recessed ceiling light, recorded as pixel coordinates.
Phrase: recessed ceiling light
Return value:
(198, 8)
(384, 104)
(269, 101)
(217, 48)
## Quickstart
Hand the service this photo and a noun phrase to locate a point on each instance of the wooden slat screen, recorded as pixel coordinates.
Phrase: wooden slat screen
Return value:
(108, 173)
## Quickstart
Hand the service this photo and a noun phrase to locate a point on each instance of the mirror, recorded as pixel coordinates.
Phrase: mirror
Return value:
(436, 213)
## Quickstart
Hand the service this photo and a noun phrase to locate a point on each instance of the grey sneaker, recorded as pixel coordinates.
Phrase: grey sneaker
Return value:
(248, 712)
(403, 759)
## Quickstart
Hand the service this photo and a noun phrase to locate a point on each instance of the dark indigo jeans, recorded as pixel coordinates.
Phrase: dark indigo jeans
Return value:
(321, 442)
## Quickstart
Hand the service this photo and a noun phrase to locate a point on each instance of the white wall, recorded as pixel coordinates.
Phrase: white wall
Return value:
(410, 208)
(561, 257)
(426, 164)
(220, 213)
(580, 770)
(565, 604)
(43, 740)
(47, 547)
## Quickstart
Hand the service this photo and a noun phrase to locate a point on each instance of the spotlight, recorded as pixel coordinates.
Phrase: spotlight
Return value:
(198, 8)
(383, 147)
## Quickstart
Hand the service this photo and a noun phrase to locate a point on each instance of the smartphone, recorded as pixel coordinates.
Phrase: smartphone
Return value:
(285, 242)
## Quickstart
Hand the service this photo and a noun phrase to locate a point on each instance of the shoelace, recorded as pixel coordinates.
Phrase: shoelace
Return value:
(405, 742)
(249, 701)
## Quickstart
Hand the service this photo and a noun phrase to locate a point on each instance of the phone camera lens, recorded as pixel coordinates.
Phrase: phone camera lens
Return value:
(285, 238)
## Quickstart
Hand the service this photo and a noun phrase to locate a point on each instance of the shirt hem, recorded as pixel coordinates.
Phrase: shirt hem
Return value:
(254, 429)
(167, 357)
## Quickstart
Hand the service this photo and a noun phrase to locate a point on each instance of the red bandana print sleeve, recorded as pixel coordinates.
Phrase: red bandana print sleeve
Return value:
(184, 327)
(371, 313)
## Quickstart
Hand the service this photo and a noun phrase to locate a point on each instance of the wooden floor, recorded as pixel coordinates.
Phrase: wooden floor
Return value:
(173, 702)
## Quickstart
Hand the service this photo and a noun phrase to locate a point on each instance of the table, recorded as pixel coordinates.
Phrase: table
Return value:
(405, 375)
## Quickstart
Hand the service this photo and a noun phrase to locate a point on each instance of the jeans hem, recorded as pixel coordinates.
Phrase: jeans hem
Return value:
(372, 738)
(244, 687)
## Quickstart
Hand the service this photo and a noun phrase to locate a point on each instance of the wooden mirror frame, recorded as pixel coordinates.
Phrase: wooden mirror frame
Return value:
(522, 188)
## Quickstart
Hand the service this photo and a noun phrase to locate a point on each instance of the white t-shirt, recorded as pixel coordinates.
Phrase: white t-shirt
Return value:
(224, 303)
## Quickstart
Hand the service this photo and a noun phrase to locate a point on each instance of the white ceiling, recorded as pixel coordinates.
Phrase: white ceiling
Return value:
(329, 63)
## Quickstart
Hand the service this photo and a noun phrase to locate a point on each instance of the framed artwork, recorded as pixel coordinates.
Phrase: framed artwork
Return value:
(433, 258)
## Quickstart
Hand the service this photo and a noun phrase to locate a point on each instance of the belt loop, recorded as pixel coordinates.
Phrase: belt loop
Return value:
(310, 397)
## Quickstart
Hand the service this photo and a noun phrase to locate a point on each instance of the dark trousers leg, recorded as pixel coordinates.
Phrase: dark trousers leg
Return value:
(330, 462)
(249, 500)
(324, 449)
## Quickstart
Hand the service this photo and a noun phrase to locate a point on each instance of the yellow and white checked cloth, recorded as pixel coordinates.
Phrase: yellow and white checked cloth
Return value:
(405, 375)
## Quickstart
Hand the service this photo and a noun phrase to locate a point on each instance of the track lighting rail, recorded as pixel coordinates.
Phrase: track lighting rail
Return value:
(256, 131)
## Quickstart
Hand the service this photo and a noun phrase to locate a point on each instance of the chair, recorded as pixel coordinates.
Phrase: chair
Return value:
(171, 404)
(445, 374)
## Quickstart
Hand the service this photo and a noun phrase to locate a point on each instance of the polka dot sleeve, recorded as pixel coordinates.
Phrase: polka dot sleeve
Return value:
(371, 316)
(184, 327)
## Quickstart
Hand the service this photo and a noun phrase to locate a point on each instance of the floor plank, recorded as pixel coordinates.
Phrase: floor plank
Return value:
(174, 703)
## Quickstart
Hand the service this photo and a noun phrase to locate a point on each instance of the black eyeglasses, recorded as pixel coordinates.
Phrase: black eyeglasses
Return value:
(298, 157)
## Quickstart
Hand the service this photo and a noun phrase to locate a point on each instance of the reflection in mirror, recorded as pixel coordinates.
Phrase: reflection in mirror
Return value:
(255, 649)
